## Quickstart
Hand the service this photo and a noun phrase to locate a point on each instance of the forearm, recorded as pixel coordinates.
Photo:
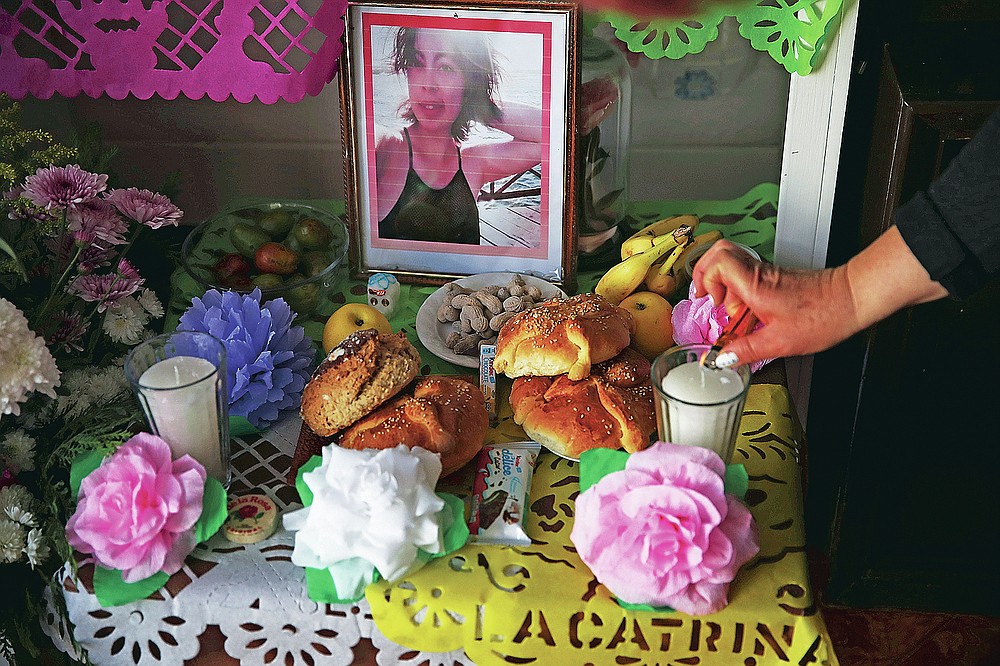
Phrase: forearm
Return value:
(886, 277)
(521, 121)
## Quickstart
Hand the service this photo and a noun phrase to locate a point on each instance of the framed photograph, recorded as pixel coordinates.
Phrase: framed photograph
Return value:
(458, 127)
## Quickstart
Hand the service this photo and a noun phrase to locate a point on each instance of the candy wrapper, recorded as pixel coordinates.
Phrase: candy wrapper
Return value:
(500, 494)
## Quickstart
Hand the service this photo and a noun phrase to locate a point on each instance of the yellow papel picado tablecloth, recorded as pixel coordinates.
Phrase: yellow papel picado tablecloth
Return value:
(484, 605)
(541, 604)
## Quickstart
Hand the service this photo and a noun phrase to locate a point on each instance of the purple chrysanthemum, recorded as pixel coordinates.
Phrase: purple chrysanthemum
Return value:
(69, 332)
(128, 271)
(63, 187)
(94, 257)
(268, 360)
(149, 208)
(100, 218)
(108, 289)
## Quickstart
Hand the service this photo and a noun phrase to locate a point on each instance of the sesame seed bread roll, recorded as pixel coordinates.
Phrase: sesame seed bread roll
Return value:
(446, 415)
(611, 408)
(563, 337)
(358, 375)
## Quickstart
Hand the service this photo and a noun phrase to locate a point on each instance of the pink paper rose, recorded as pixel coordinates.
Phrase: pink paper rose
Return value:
(699, 320)
(663, 532)
(136, 512)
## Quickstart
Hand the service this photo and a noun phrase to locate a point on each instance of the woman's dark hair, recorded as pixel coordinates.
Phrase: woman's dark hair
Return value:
(481, 77)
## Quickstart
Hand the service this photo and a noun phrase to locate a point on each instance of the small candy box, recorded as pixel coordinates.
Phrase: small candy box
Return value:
(488, 379)
(500, 494)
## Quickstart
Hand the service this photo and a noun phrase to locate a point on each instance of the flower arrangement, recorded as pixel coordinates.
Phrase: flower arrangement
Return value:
(369, 515)
(268, 360)
(657, 527)
(72, 301)
(699, 320)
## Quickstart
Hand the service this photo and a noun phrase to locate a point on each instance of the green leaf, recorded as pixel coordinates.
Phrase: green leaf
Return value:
(239, 426)
(456, 534)
(305, 493)
(83, 465)
(644, 607)
(111, 590)
(595, 464)
(213, 510)
(737, 481)
(7, 249)
(321, 588)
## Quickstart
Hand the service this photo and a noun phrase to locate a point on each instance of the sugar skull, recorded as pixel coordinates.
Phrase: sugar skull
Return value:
(383, 293)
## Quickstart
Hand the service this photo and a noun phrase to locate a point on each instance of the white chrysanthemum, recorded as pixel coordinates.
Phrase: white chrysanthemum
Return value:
(77, 398)
(37, 548)
(150, 303)
(20, 515)
(12, 541)
(107, 385)
(124, 321)
(17, 451)
(28, 365)
(15, 497)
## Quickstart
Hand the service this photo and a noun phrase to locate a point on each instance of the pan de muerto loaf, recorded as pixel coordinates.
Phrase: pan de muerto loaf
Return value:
(446, 415)
(562, 336)
(612, 408)
(358, 375)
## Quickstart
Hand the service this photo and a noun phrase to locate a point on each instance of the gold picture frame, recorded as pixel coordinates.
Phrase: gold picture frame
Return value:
(444, 109)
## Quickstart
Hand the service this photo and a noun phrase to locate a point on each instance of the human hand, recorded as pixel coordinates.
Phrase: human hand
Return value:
(803, 311)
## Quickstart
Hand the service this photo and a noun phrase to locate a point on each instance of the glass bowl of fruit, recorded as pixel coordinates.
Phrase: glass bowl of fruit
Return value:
(288, 250)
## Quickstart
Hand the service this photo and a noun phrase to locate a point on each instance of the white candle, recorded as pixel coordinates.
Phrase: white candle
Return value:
(179, 396)
(702, 406)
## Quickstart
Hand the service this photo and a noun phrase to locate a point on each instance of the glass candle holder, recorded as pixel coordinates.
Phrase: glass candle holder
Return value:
(180, 381)
(698, 405)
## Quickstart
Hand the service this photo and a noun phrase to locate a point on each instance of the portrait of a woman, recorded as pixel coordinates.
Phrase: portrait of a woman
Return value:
(427, 175)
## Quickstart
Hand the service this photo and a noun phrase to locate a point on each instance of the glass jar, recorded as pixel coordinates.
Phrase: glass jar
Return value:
(604, 118)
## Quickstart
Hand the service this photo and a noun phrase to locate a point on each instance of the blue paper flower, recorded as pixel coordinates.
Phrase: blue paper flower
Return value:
(268, 361)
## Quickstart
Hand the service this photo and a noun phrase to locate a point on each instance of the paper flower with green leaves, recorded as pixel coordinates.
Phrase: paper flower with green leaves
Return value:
(140, 513)
(370, 515)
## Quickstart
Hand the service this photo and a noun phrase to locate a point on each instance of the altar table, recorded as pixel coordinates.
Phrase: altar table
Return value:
(484, 604)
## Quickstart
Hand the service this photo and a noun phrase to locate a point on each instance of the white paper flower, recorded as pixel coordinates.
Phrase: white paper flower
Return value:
(17, 451)
(377, 505)
(28, 365)
(12, 541)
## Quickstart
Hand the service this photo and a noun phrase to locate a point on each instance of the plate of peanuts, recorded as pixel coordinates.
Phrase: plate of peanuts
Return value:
(467, 312)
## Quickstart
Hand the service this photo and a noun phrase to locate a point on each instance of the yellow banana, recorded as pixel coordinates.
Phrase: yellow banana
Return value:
(625, 277)
(643, 239)
(665, 278)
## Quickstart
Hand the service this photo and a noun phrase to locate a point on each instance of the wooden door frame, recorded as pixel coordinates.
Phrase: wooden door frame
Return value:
(814, 127)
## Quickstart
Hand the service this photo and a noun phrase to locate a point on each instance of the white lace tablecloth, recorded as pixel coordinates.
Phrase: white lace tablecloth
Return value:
(272, 621)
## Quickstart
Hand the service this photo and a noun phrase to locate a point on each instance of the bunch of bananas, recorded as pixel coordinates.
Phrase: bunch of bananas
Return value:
(653, 258)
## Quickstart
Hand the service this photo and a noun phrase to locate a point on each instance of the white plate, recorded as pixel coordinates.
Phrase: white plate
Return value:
(433, 333)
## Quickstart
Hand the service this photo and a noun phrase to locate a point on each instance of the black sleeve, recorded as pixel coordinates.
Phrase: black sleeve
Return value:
(954, 227)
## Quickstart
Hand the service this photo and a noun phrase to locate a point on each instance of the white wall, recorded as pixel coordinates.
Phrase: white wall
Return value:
(683, 148)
